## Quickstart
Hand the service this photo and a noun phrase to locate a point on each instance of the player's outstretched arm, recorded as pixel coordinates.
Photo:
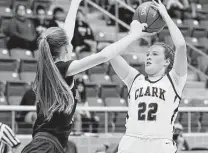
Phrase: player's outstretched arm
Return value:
(108, 52)
(124, 71)
(180, 60)
(70, 18)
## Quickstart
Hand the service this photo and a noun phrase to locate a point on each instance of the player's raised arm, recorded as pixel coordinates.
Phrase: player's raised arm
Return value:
(70, 19)
(180, 60)
(108, 52)
(124, 71)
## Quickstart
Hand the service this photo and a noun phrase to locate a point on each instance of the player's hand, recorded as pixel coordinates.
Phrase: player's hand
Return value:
(137, 29)
(160, 7)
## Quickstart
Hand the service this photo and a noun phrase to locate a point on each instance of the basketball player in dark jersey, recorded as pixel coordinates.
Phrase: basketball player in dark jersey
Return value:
(54, 84)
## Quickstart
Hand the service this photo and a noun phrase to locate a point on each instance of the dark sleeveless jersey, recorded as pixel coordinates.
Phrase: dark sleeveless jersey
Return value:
(60, 124)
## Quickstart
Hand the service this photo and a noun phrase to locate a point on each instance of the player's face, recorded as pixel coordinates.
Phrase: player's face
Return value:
(155, 60)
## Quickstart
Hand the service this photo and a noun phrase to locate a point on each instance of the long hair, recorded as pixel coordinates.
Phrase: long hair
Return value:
(52, 92)
(169, 54)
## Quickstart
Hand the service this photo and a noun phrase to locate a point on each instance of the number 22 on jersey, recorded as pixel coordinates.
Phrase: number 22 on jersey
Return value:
(147, 111)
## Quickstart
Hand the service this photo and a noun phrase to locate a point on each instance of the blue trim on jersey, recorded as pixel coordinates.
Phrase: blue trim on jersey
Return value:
(133, 83)
(171, 81)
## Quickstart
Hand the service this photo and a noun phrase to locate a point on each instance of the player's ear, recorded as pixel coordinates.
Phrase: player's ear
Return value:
(167, 62)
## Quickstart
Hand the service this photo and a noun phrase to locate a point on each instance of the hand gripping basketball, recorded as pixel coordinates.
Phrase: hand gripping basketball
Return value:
(147, 13)
(160, 7)
(137, 29)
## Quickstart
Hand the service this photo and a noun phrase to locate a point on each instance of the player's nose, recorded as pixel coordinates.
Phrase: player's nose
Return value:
(149, 58)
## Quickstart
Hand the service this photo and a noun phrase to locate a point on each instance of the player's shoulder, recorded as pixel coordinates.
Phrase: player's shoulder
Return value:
(172, 75)
(139, 77)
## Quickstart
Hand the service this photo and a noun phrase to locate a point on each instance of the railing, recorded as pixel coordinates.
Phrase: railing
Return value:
(106, 110)
(118, 21)
(107, 13)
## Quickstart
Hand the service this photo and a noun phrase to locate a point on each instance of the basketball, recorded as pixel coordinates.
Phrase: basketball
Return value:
(147, 14)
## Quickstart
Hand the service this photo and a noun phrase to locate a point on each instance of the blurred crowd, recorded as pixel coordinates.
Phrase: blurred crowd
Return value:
(22, 32)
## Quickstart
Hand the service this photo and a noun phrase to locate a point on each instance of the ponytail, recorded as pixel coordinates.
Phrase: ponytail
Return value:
(52, 92)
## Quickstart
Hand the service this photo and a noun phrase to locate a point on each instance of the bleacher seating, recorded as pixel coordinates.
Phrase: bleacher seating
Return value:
(110, 70)
(204, 24)
(203, 42)
(120, 122)
(27, 70)
(195, 127)
(100, 79)
(6, 117)
(92, 90)
(195, 84)
(131, 59)
(116, 79)
(5, 3)
(4, 53)
(115, 102)
(2, 43)
(124, 92)
(185, 103)
(15, 91)
(8, 69)
(95, 101)
(204, 122)
(110, 93)
(193, 41)
(24, 128)
(102, 69)
(109, 90)
(21, 53)
(83, 54)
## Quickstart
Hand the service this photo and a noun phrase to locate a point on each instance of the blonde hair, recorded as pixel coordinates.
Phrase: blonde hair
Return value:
(52, 92)
(169, 54)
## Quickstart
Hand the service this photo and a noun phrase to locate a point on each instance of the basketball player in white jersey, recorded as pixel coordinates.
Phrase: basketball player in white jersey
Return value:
(154, 99)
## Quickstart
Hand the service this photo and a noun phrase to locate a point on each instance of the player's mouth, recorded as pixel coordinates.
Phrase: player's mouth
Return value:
(148, 63)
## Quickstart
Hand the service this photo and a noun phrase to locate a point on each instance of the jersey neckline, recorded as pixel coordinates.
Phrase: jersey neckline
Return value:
(147, 79)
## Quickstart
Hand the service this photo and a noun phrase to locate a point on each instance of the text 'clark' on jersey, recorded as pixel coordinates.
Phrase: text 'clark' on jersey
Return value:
(153, 105)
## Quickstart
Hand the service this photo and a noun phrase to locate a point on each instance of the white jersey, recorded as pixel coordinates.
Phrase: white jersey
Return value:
(153, 105)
